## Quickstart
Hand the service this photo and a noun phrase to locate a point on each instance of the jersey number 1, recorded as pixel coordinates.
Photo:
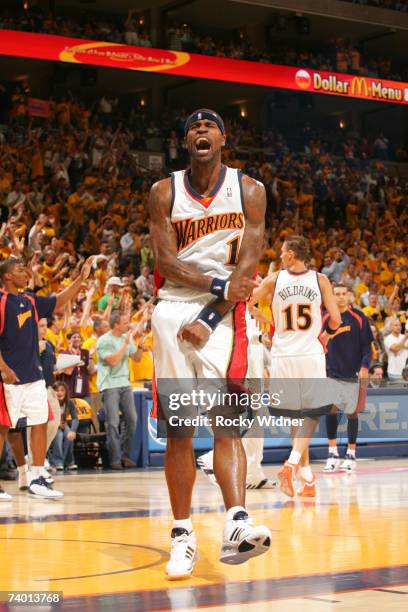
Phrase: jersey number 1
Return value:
(233, 251)
(303, 317)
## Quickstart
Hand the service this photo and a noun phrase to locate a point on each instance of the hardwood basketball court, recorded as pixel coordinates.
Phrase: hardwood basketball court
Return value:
(106, 545)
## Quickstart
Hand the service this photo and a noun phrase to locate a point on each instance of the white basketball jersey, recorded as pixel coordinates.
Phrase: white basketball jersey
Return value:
(208, 229)
(297, 315)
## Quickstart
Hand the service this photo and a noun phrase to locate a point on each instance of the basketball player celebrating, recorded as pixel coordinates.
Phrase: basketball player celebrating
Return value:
(25, 392)
(297, 295)
(207, 225)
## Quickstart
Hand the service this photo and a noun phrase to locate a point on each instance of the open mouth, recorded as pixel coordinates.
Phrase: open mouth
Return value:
(202, 145)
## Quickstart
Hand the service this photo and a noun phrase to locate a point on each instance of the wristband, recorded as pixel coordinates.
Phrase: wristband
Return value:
(330, 331)
(219, 288)
(210, 317)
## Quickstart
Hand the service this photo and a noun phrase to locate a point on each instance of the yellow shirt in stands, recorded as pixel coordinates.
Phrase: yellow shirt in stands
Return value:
(386, 276)
(360, 289)
(86, 332)
(143, 370)
(58, 340)
(89, 345)
(47, 272)
(370, 312)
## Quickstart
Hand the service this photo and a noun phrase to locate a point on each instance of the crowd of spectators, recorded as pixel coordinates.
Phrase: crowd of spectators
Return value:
(130, 30)
(395, 5)
(340, 55)
(70, 187)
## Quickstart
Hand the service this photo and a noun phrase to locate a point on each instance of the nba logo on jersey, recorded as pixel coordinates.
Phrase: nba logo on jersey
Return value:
(229, 192)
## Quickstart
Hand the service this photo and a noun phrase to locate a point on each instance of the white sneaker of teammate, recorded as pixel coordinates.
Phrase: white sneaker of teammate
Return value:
(332, 463)
(49, 479)
(183, 554)
(39, 487)
(4, 496)
(23, 479)
(44, 472)
(265, 483)
(205, 463)
(242, 540)
(349, 463)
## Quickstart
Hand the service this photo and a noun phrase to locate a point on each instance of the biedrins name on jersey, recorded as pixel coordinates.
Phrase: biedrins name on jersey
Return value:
(306, 292)
(190, 230)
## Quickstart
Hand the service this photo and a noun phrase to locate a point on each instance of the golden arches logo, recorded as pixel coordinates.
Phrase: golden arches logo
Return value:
(359, 87)
(123, 54)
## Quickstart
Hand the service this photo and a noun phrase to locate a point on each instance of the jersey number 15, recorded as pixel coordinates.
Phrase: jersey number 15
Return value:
(303, 317)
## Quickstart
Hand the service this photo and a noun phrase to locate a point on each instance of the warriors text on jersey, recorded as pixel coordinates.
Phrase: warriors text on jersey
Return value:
(297, 315)
(208, 229)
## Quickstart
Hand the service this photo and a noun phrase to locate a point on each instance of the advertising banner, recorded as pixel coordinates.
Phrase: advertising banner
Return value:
(384, 419)
(180, 63)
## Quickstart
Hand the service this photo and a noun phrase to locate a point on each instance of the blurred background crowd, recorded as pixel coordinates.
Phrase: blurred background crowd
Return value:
(395, 5)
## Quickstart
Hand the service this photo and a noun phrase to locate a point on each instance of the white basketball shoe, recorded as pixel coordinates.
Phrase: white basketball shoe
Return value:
(332, 463)
(242, 540)
(183, 554)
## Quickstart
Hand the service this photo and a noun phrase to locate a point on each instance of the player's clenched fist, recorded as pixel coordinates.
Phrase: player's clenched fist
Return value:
(240, 289)
(196, 333)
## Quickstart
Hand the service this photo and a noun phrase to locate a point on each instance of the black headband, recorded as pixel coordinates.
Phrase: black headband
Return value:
(204, 113)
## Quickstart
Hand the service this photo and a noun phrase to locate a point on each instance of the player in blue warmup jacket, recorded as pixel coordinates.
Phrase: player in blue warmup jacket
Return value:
(348, 360)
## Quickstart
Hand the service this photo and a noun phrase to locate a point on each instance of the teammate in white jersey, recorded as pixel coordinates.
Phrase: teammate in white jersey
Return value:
(207, 225)
(297, 295)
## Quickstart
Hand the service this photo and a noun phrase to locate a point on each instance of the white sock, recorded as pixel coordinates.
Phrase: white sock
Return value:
(306, 473)
(232, 511)
(351, 451)
(333, 450)
(36, 470)
(294, 457)
(184, 524)
(22, 469)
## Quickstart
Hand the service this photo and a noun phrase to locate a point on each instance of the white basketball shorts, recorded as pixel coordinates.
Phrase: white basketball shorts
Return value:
(225, 354)
(182, 369)
(27, 400)
(300, 382)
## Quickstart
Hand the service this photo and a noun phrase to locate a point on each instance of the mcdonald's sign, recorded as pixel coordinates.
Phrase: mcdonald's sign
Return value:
(359, 87)
(193, 65)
